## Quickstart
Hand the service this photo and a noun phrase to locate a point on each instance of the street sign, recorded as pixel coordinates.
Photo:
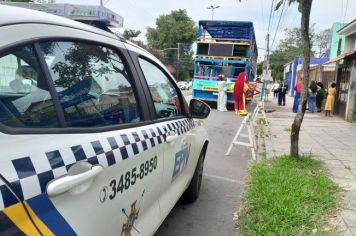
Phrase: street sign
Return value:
(266, 75)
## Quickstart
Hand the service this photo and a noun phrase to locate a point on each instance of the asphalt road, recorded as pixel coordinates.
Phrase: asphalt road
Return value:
(212, 213)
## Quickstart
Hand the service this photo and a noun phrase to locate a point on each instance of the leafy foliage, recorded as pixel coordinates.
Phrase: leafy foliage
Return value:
(293, 42)
(81, 61)
(322, 41)
(288, 48)
(280, 2)
(259, 68)
(176, 27)
(130, 34)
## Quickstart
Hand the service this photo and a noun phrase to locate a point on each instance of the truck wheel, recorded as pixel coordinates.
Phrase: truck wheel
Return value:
(192, 193)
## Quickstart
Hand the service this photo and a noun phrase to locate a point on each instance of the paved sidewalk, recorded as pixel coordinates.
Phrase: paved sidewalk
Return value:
(330, 139)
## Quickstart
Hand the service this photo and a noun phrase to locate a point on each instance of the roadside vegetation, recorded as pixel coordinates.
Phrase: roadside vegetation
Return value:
(286, 196)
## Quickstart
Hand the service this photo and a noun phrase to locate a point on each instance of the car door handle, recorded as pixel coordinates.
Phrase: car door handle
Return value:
(61, 185)
(171, 137)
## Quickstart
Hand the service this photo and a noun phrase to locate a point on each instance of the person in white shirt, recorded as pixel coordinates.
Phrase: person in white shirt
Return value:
(222, 96)
(275, 88)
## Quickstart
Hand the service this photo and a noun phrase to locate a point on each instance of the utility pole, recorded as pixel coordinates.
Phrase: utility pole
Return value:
(178, 57)
(266, 71)
(178, 62)
(212, 8)
(267, 64)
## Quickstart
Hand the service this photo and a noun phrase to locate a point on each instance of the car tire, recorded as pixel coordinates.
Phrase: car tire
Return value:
(192, 193)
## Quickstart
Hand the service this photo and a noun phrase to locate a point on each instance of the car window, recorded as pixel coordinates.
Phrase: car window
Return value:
(25, 100)
(93, 85)
(164, 94)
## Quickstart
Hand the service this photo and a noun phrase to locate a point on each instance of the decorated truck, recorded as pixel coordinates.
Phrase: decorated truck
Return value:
(223, 47)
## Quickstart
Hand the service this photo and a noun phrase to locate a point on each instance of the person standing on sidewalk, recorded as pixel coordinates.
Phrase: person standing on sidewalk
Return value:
(330, 99)
(267, 91)
(222, 97)
(312, 96)
(298, 91)
(283, 87)
(275, 88)
(319, 96)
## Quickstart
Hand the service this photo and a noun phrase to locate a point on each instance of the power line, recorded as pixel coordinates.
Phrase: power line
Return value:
(342, 9)
(283, 23)
(347, 5)
(270, 16)
(292, 20)
(279, 21)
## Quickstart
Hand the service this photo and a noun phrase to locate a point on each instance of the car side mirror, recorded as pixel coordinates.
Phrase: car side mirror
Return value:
(198, 109)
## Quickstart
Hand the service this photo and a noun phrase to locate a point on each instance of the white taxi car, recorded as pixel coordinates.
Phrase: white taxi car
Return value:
(95, 136)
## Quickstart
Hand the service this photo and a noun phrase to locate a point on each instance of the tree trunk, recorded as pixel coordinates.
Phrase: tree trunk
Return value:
(305, 7)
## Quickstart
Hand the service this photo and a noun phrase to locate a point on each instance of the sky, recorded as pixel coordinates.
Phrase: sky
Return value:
(139, 14)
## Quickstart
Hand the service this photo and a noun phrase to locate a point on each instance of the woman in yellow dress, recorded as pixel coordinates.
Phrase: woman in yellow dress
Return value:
(330, 99)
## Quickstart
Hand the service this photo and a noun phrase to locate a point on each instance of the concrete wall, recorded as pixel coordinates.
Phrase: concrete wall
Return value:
(324, 74)
(335, 40)
(350, 113)
(350, 43)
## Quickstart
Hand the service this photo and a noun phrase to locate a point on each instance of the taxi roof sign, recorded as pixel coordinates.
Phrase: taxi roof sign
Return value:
(83, 13)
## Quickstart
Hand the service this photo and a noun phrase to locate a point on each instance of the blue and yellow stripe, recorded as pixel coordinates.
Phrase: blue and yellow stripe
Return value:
(15, 221)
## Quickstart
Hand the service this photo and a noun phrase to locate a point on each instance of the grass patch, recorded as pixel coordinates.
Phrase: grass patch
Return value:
(287, 197)
(287, 129)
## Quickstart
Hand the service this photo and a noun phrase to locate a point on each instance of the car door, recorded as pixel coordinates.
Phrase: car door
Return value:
(180, 156)
(21, 89)
(75, 142)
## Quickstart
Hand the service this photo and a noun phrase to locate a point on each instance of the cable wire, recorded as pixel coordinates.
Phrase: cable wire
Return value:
(347, 5)
(282, 26)
(9, 186)
(279, 21)
(270, 16)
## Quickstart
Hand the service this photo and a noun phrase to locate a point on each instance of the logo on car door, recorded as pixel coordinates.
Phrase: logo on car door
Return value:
(131, 218)
(181, 160)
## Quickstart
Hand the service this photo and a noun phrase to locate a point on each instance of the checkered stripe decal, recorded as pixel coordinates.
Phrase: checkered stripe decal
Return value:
(107, 152)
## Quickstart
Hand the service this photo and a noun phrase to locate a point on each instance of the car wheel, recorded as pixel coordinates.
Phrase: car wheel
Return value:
(193, 190)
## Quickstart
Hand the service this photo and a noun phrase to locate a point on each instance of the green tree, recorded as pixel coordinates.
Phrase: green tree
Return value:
(288, 48)
(322, 41)
(304, 7)
(292, 44)
(81, 62)
(175, 33)
(154, 51)
(259, 68)
(130, 34)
